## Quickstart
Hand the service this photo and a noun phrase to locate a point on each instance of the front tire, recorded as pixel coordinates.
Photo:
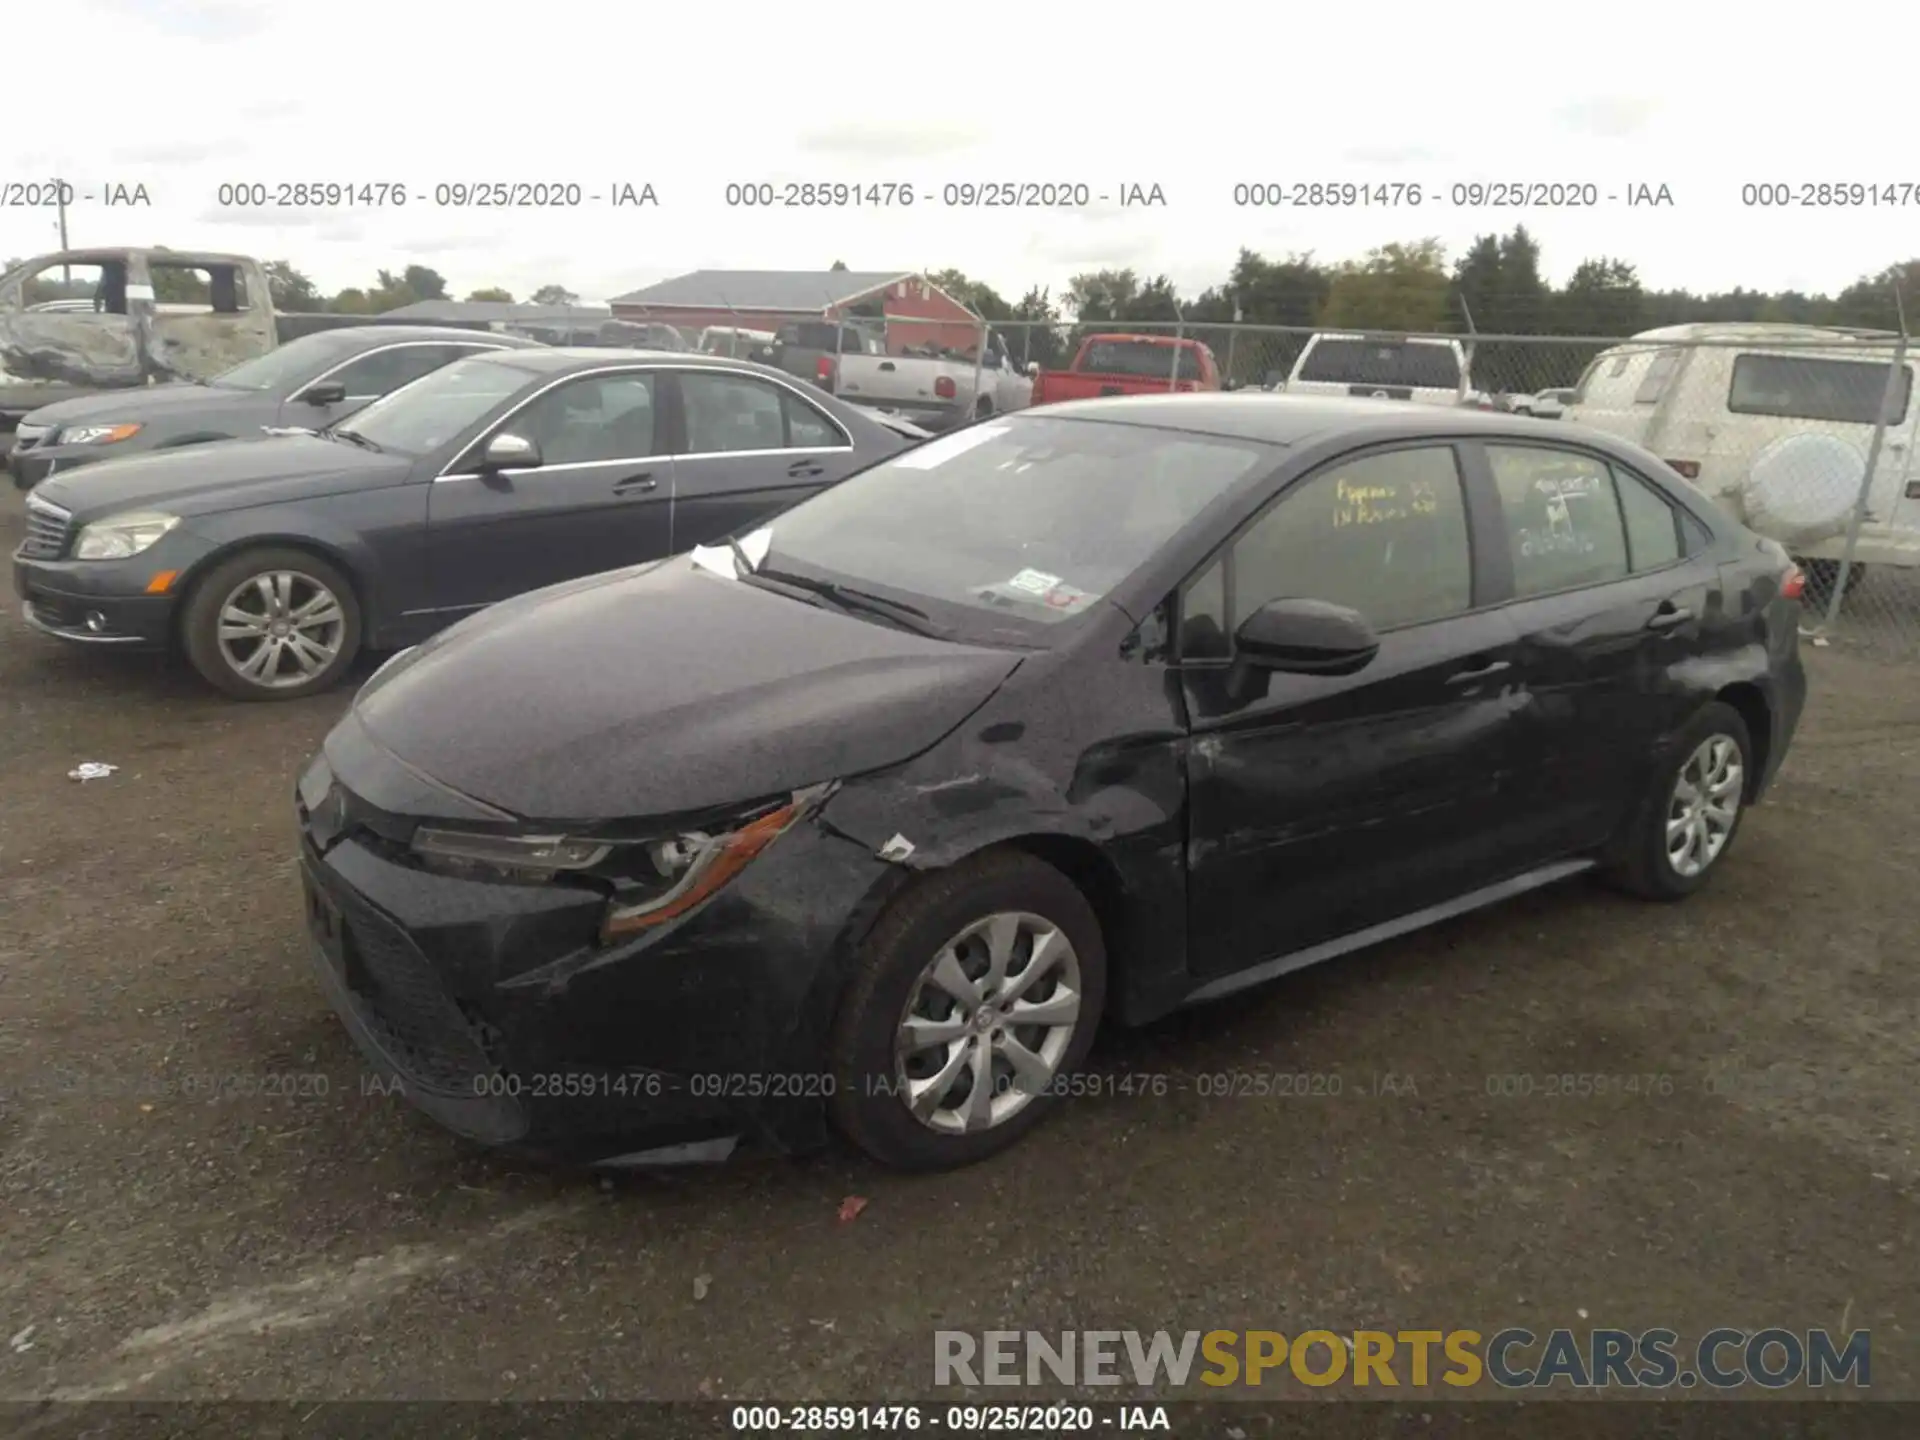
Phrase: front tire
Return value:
(977, 994)
(272, 624)
(1686, 823)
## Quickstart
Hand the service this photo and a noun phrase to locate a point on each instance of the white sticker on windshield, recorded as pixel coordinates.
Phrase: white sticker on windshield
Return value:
(1034, 582)
(943, 448)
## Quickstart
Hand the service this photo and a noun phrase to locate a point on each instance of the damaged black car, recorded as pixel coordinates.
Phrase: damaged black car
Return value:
(866, 819)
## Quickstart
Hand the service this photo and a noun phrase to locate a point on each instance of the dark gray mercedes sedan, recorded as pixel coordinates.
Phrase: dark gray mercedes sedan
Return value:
(272, 562)
(306, 384)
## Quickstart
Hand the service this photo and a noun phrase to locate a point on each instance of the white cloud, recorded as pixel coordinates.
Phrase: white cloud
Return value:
(191, 94)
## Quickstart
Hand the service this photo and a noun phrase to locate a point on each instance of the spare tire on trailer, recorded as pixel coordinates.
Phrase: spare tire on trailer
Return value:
(1801, 489)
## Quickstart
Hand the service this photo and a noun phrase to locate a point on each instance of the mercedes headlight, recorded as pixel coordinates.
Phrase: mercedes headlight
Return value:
(119, 536)
(96, 434)
(648, 881)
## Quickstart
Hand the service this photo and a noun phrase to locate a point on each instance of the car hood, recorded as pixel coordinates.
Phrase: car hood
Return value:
(665, 690)
(201, 478)
(147, 403)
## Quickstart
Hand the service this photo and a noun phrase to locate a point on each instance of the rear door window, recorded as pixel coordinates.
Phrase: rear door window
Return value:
(1563, 521)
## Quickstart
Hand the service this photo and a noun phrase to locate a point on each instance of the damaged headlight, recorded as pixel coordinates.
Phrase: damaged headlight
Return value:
(648, 881)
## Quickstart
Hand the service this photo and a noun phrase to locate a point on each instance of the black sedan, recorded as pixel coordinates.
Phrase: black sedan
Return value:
(309, 383)
(874, 813)
(273, 561)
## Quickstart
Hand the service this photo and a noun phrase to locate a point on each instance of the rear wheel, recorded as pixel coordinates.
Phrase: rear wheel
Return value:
(977, 995)
(1688, 818)
(272, 624)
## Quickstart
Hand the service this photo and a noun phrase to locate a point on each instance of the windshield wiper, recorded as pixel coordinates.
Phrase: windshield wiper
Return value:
(740, 560)
(356, 438)
(898, 611)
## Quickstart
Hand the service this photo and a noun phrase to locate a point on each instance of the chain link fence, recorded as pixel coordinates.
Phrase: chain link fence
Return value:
(1808, 435)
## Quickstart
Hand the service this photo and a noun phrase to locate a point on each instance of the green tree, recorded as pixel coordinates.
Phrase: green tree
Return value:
(492, 292)
(976, 295)
(553, 295)
(1601, 297)
(1869, 301)
(1038, 340)
(838, 265)
(1102, 296)
(423, 283)
(290, 289)
(351, 301)
(1403, 287)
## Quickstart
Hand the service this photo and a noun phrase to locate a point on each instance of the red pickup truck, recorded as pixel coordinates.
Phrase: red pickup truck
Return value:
(1129, 365)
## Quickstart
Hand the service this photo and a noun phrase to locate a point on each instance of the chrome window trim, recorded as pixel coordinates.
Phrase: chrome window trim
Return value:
(298, 390)
(448, 472)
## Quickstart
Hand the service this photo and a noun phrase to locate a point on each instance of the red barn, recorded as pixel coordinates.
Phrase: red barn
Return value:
(916, 311)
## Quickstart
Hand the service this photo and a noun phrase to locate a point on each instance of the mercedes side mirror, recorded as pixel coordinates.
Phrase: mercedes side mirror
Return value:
(1306, 637)
(327, 392)
(510, 452)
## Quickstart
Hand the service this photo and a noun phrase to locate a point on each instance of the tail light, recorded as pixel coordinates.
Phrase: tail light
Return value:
(1687, 469)
(944, 387)
(1793, 584)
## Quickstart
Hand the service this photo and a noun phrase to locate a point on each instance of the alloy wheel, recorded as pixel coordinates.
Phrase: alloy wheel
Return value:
(1704, 805)
(987, 1023)
(280, 629)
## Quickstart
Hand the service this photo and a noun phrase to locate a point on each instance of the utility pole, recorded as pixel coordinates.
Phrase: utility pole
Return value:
(60, 196)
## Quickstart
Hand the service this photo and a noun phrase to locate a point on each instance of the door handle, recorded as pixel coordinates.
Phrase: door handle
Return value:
(806, 467)
(1485, 672)
(887, 365)
(635, 484)
(1669, 615)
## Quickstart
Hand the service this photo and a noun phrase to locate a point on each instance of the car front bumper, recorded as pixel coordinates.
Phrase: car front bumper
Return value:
(496, 1011)
(95, 602)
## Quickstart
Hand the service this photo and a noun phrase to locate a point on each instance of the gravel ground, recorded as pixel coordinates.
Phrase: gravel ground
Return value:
(157, 1245)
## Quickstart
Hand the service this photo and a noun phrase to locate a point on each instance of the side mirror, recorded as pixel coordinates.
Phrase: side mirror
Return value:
(328, 392)
(1306, 637)
(510, 452)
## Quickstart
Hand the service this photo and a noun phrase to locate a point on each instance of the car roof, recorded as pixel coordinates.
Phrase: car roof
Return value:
(374, 335)
(560, 359)
(1280, 419)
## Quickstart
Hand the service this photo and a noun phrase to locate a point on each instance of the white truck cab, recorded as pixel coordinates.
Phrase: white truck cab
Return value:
(1428, 370)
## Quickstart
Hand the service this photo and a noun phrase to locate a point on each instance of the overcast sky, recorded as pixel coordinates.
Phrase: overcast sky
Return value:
(183, 95)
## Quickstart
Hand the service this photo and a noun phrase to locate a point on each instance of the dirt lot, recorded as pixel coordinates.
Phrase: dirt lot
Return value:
(156, 1245)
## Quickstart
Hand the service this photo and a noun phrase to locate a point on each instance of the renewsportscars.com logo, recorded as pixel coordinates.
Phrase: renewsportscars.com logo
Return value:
(1511, 1359)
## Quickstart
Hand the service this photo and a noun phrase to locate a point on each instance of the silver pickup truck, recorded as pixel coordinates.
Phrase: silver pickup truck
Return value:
(937, 392)
(80, 321)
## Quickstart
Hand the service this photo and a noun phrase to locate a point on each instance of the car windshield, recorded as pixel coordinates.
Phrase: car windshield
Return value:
(1034, 518)
(286, 366)
(430, 411)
